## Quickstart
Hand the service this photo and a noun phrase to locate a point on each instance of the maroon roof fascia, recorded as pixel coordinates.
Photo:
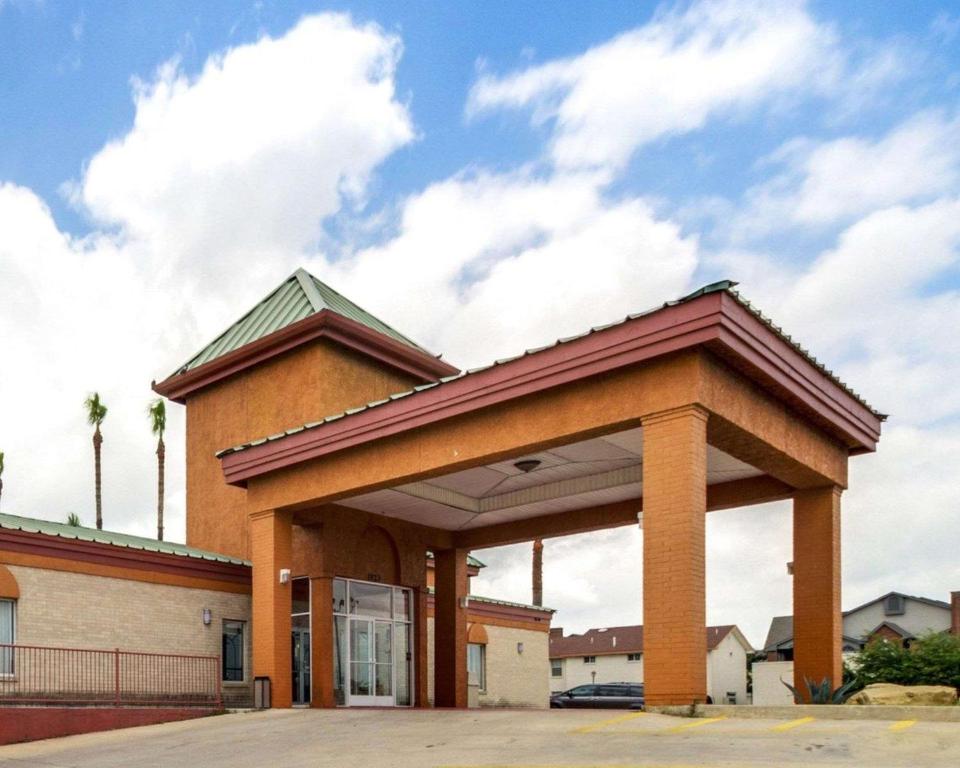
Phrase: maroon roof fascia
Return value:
(715, 320)
(101, 553)
(323, 324)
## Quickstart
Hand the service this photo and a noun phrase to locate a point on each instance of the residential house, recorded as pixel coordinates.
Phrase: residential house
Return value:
(895, 616)
(615, 654)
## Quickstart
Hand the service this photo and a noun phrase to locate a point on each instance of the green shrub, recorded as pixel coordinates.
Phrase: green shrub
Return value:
(933, 659)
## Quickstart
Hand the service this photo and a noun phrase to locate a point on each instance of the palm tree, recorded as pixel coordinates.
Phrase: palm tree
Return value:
(1, 473)
(96, 413)
(158, 423)
(73, 520)
(538, 571)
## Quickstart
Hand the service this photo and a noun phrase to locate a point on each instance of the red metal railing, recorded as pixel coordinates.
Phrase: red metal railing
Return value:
(39, 675)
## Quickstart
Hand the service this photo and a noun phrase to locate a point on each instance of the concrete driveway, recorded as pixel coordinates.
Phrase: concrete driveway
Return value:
(496, 739)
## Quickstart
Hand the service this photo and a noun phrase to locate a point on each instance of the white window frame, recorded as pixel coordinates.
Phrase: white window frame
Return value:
(633, 658)
(589, 659)
(483, 665)
(5, 675)
(556, 671)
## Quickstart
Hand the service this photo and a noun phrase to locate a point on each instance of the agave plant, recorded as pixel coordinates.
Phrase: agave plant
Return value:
(822, 692)
(73, 520)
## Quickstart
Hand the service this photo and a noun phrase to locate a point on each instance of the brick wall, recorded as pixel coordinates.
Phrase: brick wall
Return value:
(513, 679)
(62, 609)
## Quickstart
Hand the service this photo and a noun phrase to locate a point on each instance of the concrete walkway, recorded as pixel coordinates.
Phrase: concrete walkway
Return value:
(497, 739)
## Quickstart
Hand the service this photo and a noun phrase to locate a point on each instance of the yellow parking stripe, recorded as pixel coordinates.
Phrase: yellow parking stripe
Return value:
(793, 724)
(696, 724)
(611, 721)
(902, 725)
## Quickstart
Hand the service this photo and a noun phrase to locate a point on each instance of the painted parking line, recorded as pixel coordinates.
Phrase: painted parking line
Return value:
(695, 724)
(611, 721)
(902, 725)
(792, 724)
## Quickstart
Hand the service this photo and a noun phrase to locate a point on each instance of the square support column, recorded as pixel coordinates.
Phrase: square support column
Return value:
(321, 642)
(450, 629)
(270, 546)
(817, 617)
(674, 543)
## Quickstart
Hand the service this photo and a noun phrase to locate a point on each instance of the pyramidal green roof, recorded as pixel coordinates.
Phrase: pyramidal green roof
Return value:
(296, 298)
(80, 533)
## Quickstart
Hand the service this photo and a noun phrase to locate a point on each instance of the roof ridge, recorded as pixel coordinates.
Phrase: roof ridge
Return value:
(305, 280)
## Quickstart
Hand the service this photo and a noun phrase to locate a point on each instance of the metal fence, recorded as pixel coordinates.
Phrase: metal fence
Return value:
(39, 675)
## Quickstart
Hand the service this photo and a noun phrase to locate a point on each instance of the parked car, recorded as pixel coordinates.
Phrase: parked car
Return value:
(600, 696)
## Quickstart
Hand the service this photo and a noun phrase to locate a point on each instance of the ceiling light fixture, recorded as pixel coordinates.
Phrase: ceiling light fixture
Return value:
(527, 465)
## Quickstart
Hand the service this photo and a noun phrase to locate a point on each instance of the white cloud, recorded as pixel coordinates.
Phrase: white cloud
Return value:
(668, 77)
(497, 255)
(245, 160)
(834, 181)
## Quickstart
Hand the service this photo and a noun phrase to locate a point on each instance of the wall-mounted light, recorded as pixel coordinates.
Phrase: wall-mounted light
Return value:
(790, 568)
(519, 647)
(207, 617)
(465, 601)
(284, 575)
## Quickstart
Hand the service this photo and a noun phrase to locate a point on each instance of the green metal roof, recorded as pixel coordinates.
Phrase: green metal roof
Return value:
(471, 560)
(296, 298)
(79, 533)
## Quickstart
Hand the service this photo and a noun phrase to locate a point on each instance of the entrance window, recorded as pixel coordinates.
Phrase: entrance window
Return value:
(232, 646)
(300, 639)
(477, 665)
(372, 644)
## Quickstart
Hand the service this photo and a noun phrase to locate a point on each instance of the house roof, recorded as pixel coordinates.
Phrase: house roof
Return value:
(904, 633)
(296, 298)
(125, 540)
(780, 634)
(609, 641)
(724, 286)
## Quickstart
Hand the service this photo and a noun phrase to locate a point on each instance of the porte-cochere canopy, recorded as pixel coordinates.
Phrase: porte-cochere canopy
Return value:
(699, 405)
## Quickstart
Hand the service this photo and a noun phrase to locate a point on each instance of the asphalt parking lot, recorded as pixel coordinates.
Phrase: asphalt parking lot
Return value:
(497, 739)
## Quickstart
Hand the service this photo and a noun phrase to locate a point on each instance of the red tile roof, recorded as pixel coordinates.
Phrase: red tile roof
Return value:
(613, 640)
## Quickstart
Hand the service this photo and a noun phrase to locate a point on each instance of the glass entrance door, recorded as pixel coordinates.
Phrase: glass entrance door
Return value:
(301, 666)
(373, 659)
(371, 663)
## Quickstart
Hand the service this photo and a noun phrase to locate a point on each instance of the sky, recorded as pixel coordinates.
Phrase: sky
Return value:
(488, 177)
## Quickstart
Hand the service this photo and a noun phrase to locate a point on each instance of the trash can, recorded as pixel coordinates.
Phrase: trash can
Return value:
(261, 693)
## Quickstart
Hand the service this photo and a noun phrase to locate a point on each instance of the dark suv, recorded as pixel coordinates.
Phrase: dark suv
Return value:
(600, 696)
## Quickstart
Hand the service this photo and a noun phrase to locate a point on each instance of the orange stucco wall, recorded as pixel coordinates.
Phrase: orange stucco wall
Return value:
(308, 383)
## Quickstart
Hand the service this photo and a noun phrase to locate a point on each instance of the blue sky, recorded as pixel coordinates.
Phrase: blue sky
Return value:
(488, 177)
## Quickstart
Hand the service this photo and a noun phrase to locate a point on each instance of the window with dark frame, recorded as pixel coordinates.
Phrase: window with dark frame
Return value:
(232, 655)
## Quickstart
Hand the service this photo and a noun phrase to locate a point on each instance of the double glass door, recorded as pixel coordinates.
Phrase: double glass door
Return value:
(371, 662)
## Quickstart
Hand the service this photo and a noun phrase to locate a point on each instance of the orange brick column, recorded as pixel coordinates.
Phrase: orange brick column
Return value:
(270, 546)
(817, 618)
(674, 534)
(450, 629)
(421, 691)
(321, 642)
